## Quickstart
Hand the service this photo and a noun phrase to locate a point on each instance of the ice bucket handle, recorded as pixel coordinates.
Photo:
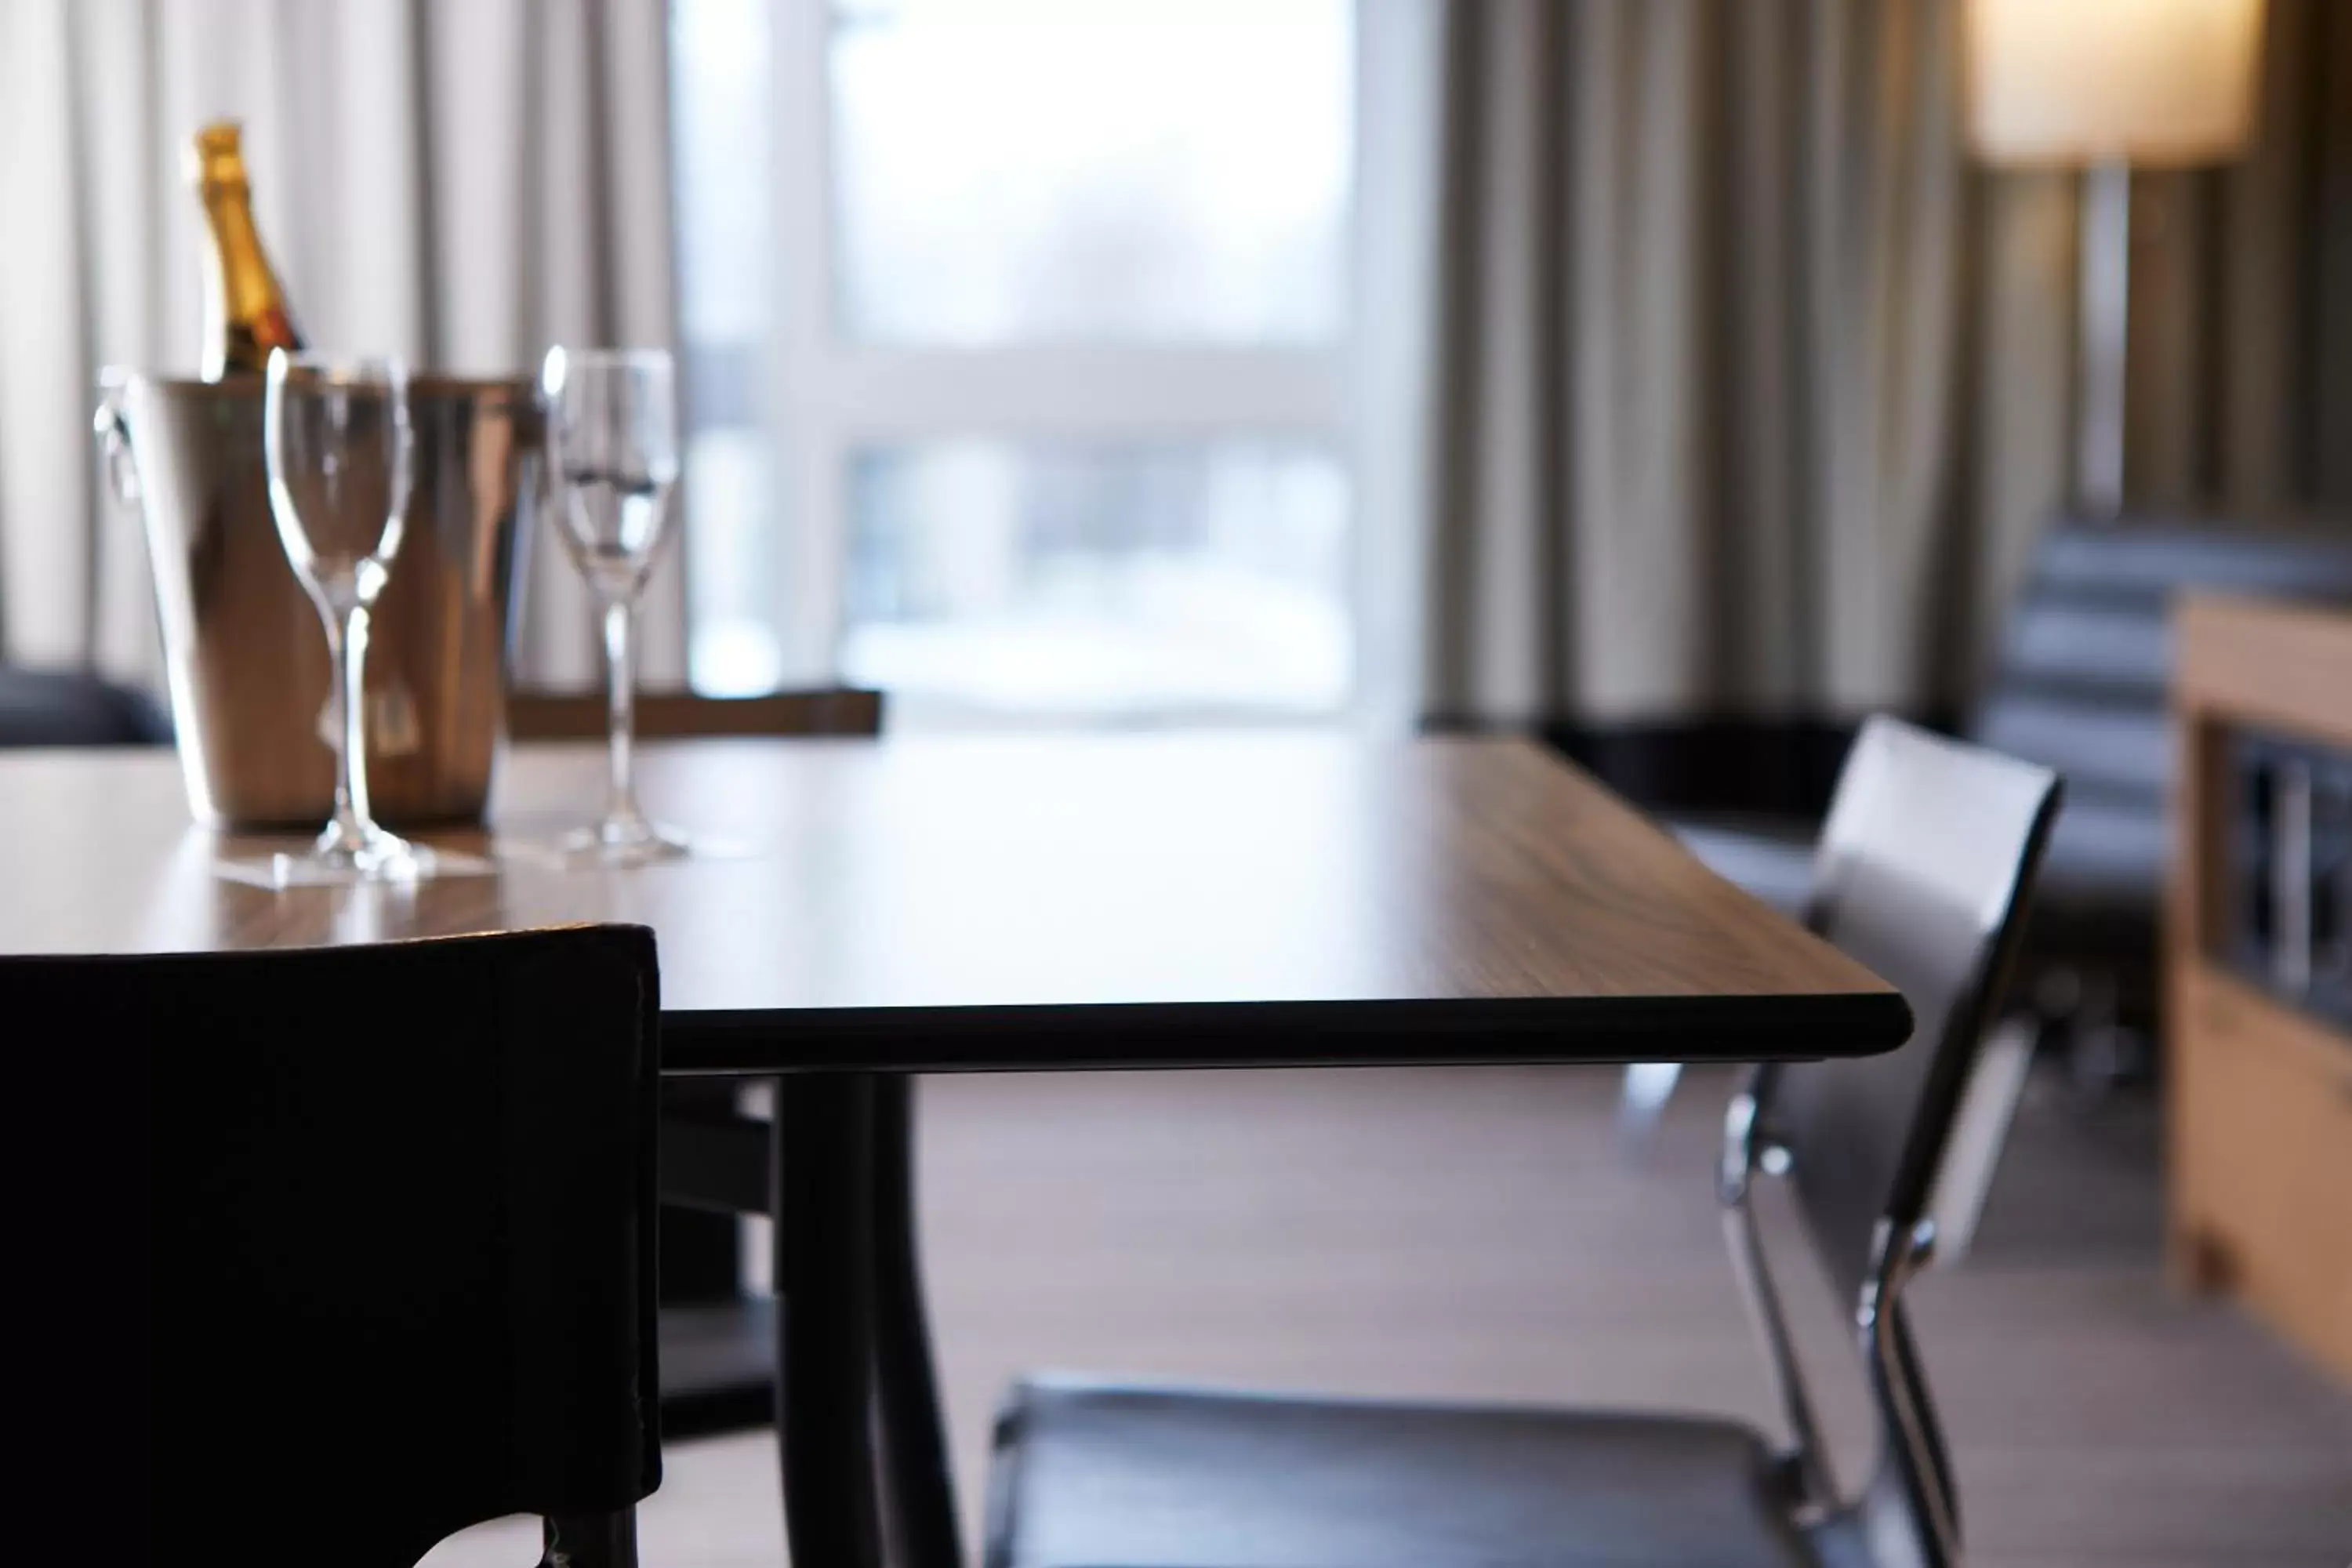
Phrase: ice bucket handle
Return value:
(113, 432)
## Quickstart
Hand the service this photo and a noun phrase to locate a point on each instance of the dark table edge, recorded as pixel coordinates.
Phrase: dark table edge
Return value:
(1169, 1035)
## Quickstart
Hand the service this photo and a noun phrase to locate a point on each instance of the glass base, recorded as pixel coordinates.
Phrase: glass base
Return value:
(342, 857)
(621, 841)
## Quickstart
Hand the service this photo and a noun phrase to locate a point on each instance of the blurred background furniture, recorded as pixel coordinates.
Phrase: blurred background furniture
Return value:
(390, 1250)
(719, 1343)
(2260, 1042)
(1928, 860)
(73, 708)
(2079, 684)
(842, 712)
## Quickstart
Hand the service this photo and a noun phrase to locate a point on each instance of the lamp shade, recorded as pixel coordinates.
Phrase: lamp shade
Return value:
(2085, 81)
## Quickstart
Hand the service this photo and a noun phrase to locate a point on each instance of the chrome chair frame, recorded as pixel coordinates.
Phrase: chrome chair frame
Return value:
(1924, 1494)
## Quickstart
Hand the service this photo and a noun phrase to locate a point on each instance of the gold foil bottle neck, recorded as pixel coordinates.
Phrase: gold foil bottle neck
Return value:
(216, 156)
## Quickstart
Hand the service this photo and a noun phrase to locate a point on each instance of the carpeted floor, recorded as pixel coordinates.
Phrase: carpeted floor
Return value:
(1479, 1234)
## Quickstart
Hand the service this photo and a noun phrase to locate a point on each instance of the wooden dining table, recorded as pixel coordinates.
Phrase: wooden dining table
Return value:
(865, 911)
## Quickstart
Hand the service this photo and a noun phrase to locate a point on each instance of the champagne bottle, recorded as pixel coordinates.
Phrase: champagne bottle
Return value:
(246, 314)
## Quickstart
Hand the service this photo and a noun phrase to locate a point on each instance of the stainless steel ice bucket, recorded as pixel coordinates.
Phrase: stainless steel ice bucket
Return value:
(245, 654)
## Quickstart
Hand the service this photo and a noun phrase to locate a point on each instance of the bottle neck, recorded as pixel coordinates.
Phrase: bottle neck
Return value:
(246, 310)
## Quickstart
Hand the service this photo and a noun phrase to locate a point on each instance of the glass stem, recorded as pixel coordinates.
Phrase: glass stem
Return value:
(348, 641)
(620, 663)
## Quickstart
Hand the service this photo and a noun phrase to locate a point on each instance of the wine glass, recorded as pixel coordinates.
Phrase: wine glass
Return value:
(336, 438)
(612, 439)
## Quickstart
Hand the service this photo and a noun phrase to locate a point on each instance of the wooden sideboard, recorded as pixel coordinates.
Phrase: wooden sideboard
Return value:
(2259, 1120)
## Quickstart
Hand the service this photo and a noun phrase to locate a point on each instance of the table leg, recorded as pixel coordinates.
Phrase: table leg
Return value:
(824, 1208)
(917, 1483)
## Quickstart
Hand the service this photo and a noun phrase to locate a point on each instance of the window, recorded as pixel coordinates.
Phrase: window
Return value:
(1019, 341)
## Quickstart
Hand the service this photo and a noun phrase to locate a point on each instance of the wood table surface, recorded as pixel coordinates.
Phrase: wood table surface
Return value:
(911, 906)
(936, 904)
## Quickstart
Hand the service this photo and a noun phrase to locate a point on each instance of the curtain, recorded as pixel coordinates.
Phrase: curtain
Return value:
(1750, 390)
(2241, 390)
(462, 181)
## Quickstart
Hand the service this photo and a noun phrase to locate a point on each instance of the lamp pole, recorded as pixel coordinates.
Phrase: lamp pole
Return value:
(2105, 86)
(2105, 331)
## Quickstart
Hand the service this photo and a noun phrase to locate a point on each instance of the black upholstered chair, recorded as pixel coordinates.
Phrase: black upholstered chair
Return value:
(1927, 858)
(366, 1257)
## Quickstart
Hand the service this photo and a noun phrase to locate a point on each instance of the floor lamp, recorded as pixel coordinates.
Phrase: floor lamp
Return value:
(2108, 86)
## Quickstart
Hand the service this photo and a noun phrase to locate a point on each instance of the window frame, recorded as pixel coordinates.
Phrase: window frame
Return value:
(829, 395)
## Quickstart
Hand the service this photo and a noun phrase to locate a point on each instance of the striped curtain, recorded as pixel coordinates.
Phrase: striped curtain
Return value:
(1753, 387)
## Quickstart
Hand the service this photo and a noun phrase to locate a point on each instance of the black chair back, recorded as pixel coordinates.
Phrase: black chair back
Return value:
(1924, 870)
(1923, 865)
(390, 1237)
